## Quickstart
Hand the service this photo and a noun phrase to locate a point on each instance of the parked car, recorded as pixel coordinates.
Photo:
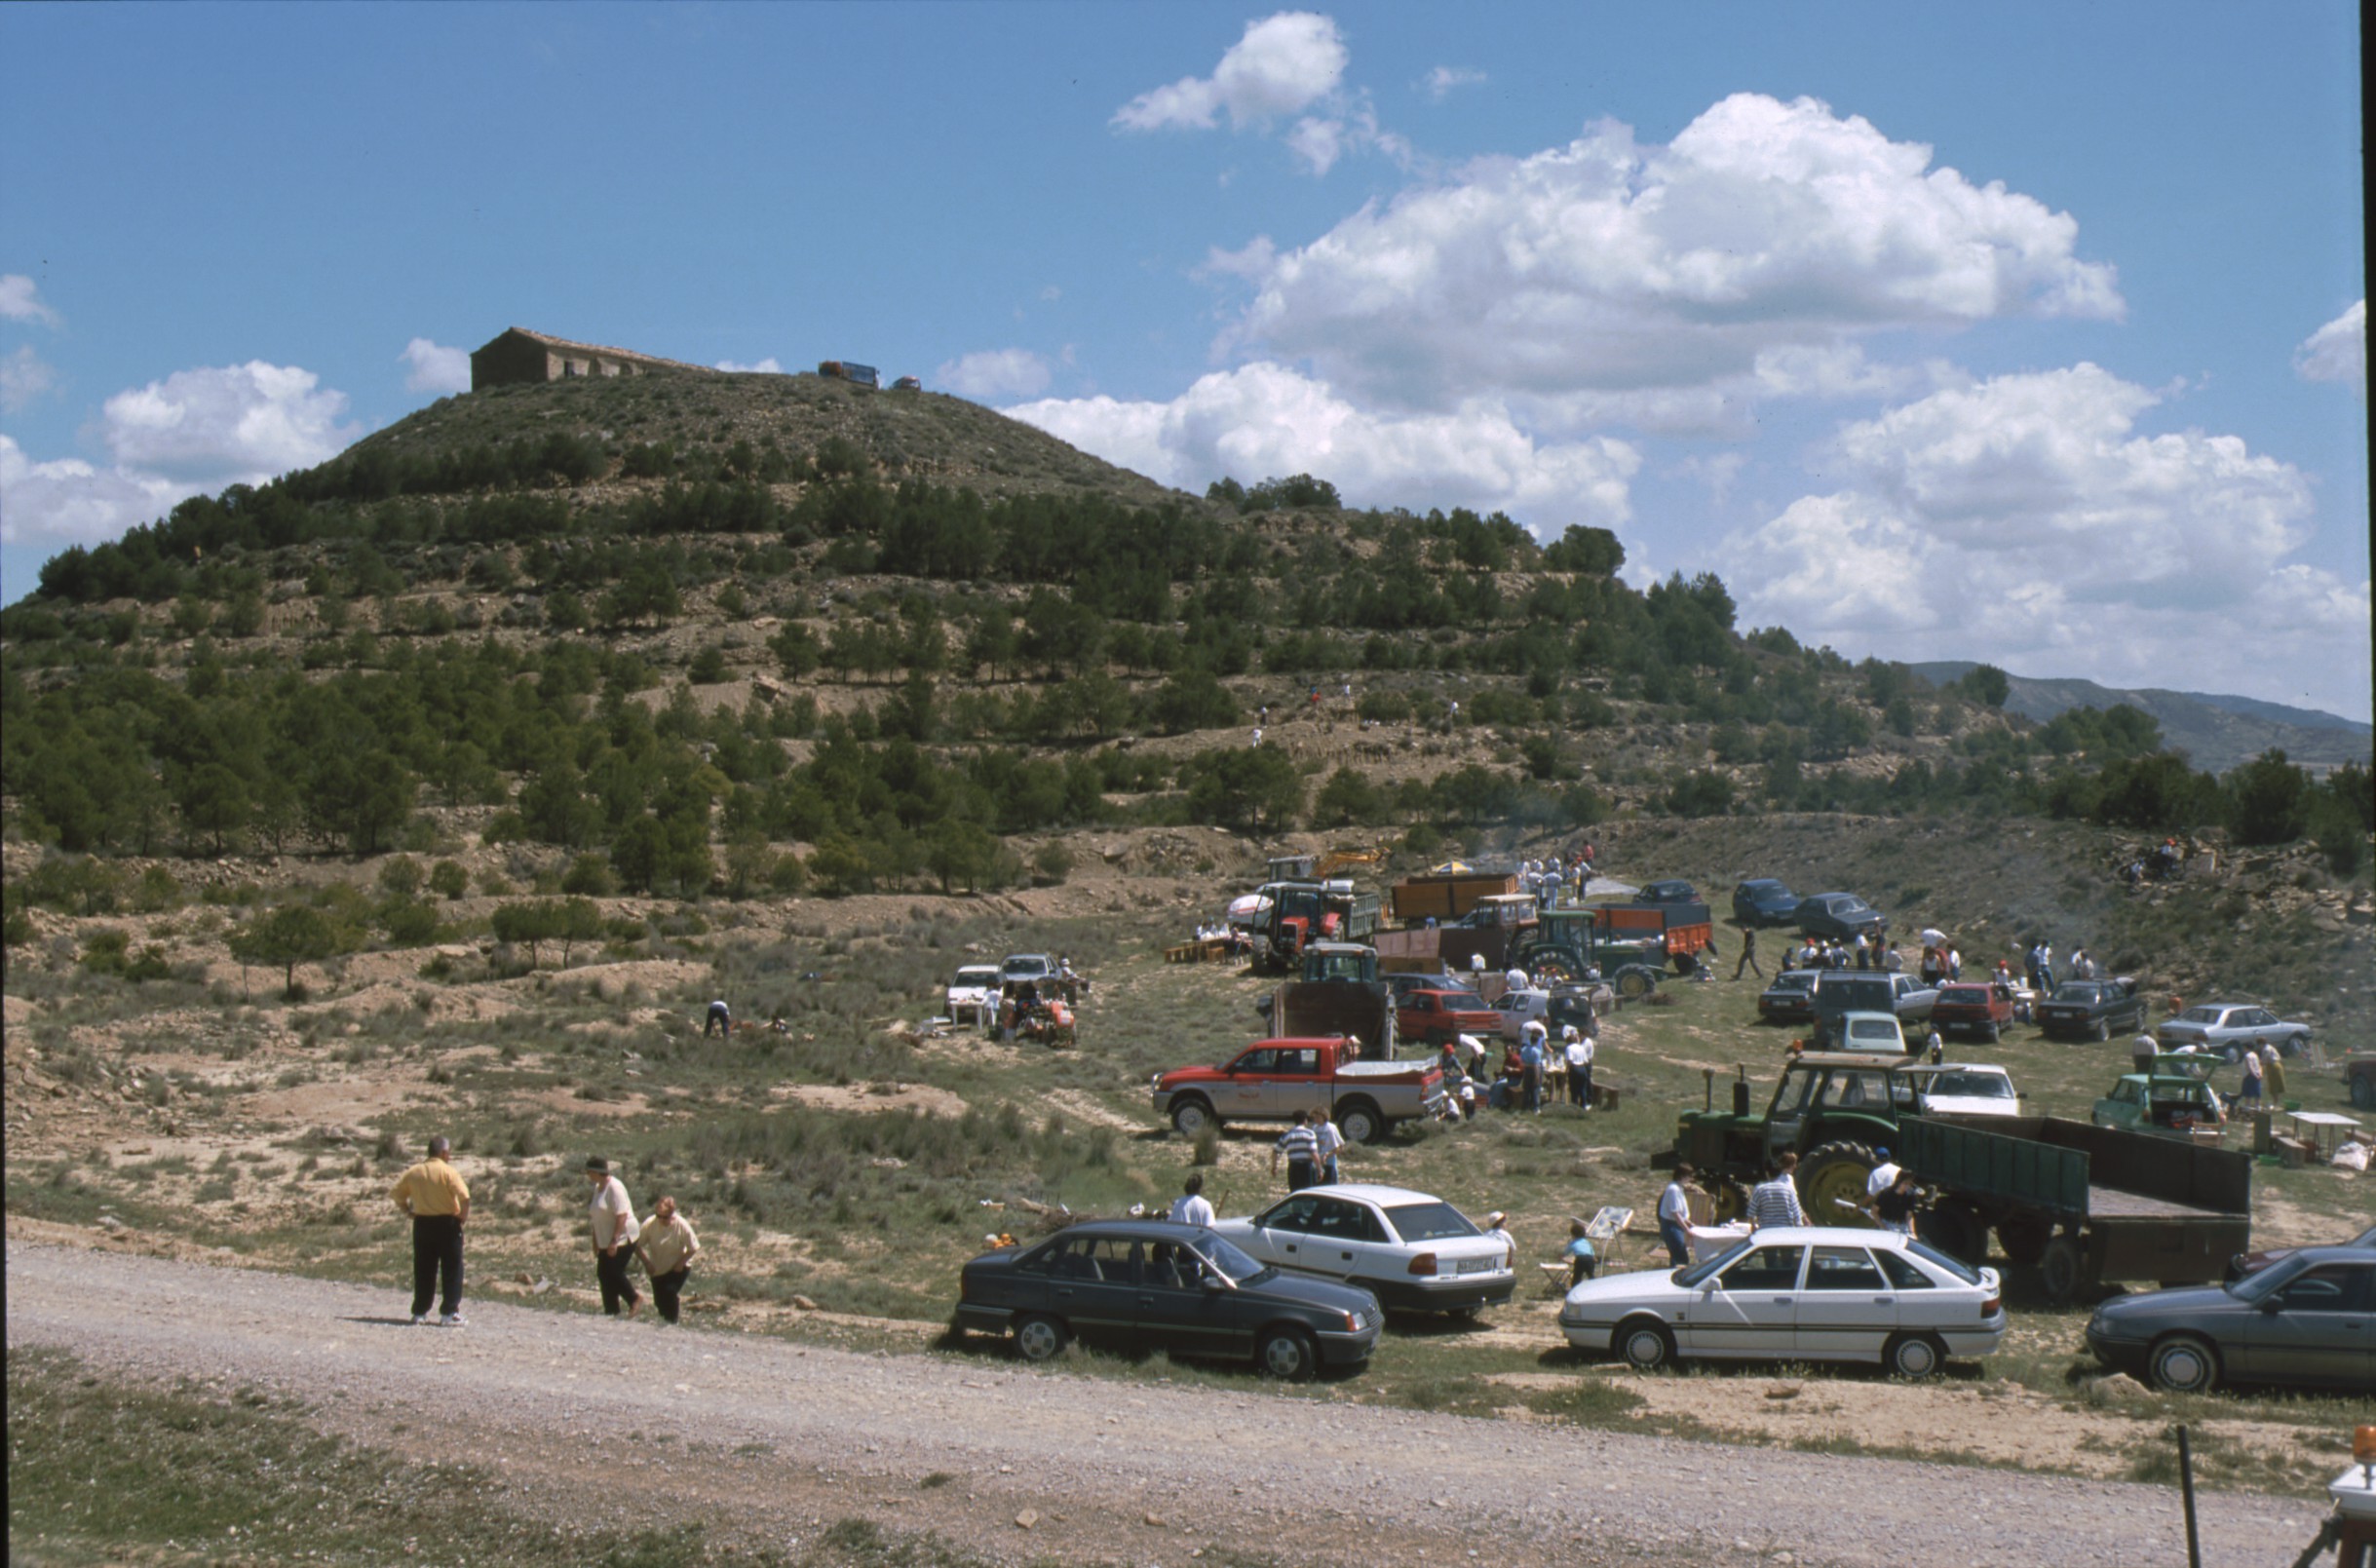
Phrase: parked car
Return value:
(1026, 966)
(1764, 902)
(1982, 1008)
(1149, 1285)
(1517, 1009)
(2228, 1029)
(973, 996)
(1433, 1018)
(1838, 914)
(1278, 1078)
(1841, 991)
(1868, 1033)
(2093, 1009)
(1791, 999)
(2245, 1263)
(1818, 1293)
(1403, 985)
(2308, 1320)
(2172, 1099)
(1410, 1249)
(1962, 1088)
(1672, 889)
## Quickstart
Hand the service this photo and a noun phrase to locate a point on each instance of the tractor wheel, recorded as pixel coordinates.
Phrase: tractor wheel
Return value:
(1956, 1229)
(1831, 1184)
(1726, 1199)
(1636, 981)
(1551, 965)
(2023, 1240)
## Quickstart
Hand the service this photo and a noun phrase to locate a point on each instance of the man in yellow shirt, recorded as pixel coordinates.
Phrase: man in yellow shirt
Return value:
(668, 1246)
(434, 1194)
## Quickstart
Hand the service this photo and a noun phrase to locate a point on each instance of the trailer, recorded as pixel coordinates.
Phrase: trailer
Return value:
(2085, 1205)
(1446, 894)
(849, 370)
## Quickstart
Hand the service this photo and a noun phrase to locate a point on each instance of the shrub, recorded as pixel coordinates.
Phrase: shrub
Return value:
(448, 880)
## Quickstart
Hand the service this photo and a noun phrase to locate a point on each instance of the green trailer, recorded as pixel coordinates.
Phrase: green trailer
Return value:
(2085, 1205)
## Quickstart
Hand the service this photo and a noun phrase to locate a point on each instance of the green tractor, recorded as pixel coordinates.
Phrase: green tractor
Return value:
(1566, 943)
(1833, 1109)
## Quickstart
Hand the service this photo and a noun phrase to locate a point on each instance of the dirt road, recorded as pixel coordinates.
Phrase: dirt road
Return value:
(769, 1440)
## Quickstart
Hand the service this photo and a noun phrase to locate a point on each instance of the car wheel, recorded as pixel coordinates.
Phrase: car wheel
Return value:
(1039, 1338)
(2184, 1364)
(1992, 1034)
(2061, 1271)
(1645, 1344)
(1192, 1117)
(1914, 1355)
(2296, 1044)
(2232, 1053)
(2103, 1030)
(1832, 1183)
(1286, 1354)
(1360, 1121)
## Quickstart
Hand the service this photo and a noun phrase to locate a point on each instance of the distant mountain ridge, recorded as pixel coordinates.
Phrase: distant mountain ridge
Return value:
(2217, 732)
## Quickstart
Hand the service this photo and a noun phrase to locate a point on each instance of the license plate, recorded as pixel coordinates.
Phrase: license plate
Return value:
(1475, 1266)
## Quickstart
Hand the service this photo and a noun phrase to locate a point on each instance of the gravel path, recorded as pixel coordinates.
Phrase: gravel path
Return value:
(770, 1439)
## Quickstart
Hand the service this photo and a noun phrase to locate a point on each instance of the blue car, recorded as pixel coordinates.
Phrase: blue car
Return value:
(1764, 902)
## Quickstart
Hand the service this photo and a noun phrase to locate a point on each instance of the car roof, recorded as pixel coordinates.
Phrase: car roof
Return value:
(1847, 1058)
(1848, 1236)
(1370, 1193)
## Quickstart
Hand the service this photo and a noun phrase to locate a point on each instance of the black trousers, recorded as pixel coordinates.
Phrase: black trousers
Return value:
(665, 1290)
(437, 1245)
(610, 1271)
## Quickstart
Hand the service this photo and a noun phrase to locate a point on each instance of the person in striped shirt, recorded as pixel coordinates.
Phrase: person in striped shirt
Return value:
(1775, 1201)
(1300, 1146)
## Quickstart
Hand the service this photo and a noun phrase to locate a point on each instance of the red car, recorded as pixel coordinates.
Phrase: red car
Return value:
(1982, 1008)
(1436, 1016)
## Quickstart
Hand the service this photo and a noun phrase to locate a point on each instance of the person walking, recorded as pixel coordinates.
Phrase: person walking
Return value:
(2248, 1096)
(1674, 1216)
(1533, 1037)
(1775, 1200)
(1299, 1146)
(1577, 1046)
(1326, 1140)
(611, 1216)
(438, 1199)
(719, 1021)
(667, 1247)
(1749, 954)
(1191, 1207)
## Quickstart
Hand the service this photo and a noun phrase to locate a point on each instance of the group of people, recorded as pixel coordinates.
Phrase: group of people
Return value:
(1860, 953)
(2038, 967)
(1552, 879)
(436, 1199)
(1519, 1080)
(1891, 1198)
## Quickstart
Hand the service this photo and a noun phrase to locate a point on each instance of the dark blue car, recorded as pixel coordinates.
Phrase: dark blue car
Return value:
(1764, 902)
(1150, 1285)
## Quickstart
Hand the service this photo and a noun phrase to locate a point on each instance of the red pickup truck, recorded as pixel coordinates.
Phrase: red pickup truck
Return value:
(1982, 1008)
(1433, 1017)
(1274, 1079)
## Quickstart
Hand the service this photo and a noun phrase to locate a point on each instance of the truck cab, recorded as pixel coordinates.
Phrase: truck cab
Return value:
(2172, 1099)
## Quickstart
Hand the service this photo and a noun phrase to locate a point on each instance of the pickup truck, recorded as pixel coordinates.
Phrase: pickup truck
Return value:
(1433, 1017)
(1982, 1008)
(1274, 1079)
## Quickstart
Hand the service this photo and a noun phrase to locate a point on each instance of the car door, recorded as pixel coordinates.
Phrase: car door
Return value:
(1847, 1310)
(1094, 1286)
(1247, 1094)
(1280, 1232)
(1190, 1318)
(1748, 1310)
(1296, 1083)
(2317, 1329)
(1343, 1240)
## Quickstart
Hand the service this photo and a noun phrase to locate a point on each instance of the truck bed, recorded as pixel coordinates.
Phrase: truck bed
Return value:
(2079, 1171)
(2113, 1204)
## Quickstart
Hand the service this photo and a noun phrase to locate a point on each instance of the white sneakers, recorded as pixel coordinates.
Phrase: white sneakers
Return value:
(420, 1320)
(452, 1319)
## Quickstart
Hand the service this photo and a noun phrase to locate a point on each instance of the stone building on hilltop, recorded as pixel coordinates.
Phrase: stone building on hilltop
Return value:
(517, 355)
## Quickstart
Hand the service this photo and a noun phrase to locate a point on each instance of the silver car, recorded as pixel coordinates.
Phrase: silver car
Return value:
(2231, 1028)
(2308, 1320)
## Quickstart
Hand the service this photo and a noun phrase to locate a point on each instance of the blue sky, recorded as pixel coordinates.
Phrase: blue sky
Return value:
(2025, 332)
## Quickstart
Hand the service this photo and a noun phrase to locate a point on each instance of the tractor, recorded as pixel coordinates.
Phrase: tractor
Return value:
(1832, 1109)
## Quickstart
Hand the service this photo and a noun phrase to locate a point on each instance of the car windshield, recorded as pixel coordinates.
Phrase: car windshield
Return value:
(2253, 1287)
(1433, 1221)
(1977, 995)
(985, 975)
(1699, 1272)
(1793, 981)
(1230, 1261)
(1973, 1086)
(1955, 1268)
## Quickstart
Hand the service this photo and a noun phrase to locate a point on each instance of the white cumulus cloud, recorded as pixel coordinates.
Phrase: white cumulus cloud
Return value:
(995, 373)
(766, 367)
(20, 301)
(1282, 65)
(2338, 351)
(2026, 521)
(1606, 268)
(434, 367)
(1263, 421)
(193, 433)
(1445, 80)
(24, 376)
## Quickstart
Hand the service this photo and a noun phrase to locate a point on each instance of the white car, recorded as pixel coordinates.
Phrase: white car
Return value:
(1412, 1250)
(1872, 1032)
(1791, 1293)
(1026, 966)
(1518, 1009)
(1960, 1089)
(974, 994)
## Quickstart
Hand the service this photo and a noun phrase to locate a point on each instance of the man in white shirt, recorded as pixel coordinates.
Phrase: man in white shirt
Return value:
(1674, 1217)
(611, 1215)
(1326, 1142)
(1515, 978)
(1578, 1048)
(1884, 1176)
(1190, 1206)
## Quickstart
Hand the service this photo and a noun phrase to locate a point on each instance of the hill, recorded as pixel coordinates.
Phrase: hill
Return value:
(2216, 732)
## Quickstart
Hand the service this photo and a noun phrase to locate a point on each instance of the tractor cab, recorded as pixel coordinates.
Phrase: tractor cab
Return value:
(1341, 960)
